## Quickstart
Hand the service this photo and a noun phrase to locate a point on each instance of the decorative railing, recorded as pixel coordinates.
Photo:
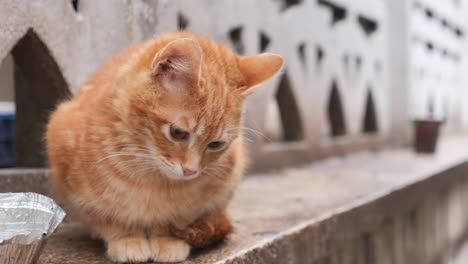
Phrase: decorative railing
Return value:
(344, 86)
(437, 59)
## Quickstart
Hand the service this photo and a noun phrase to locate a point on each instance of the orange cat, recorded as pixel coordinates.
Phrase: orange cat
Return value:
(149, 151)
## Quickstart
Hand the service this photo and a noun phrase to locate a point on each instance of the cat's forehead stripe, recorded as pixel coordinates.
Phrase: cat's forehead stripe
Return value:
(186, 122)
(201, 129)
(191, 123)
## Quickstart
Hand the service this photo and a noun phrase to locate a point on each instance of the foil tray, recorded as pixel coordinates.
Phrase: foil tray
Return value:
(26, 219)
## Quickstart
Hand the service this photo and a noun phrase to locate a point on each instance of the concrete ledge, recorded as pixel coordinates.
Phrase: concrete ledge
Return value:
(307, 213)
(24, 180)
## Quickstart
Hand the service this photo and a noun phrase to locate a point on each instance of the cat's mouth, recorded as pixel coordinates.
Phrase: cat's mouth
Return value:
(177, 173)
(190, 177)
(181, 177)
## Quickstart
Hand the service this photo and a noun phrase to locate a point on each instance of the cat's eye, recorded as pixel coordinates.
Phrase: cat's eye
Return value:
(178, 134)
(216, 145)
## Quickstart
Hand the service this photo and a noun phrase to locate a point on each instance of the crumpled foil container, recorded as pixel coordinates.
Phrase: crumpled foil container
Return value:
(26, 219)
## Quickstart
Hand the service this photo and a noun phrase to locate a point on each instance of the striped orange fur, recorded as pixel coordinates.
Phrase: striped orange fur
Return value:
(148, 152)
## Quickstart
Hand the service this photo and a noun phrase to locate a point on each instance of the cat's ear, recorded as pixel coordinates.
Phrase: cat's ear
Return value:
(179, 60)
(258, 68)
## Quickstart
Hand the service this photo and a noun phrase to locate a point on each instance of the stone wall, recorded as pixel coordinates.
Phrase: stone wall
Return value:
(344, 86)
(432, 233)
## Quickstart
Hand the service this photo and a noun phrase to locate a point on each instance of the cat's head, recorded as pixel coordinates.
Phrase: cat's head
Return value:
(187, 103)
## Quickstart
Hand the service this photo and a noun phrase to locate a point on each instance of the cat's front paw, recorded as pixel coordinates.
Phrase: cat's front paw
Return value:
(129, 250)
(168, 249)
(209, 230)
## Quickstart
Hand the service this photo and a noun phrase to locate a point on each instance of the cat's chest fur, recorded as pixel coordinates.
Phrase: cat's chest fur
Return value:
(161, 206)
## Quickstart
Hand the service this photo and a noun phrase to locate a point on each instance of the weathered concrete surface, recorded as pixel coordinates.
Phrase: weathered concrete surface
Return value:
(316, 212)
(24, 180)
(461, 256)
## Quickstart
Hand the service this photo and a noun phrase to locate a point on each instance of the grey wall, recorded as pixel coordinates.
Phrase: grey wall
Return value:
(6, 80)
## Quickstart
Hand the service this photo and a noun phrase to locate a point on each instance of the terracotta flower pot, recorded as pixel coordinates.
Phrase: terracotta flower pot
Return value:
(426, 133)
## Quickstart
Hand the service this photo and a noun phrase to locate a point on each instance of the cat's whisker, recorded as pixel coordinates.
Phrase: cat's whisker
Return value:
(139, 163)
(137, 147)
(220, 172)
(249, 130)
(152, 160)
(215, 175)
(243, 136)
(134, 168)
(132, 163)
(216, 169)
(117, 154)
(131, 145)
(135, 155)
(243, 128)
(127, 152)
(246, 138)
(212, 170)
(220, 166)
(256, 133)
(142, 167)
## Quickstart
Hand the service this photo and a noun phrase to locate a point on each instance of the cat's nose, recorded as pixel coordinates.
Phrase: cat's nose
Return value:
(188, 172)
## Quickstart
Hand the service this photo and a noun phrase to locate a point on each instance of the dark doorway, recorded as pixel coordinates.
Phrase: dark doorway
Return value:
(38, 87)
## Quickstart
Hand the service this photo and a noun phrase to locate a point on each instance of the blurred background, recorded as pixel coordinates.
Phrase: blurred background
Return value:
(359, 75)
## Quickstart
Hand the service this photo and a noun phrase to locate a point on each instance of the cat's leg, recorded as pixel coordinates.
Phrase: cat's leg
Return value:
(124, 245)
(210, 229)
(168, 249)
(132, 248)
